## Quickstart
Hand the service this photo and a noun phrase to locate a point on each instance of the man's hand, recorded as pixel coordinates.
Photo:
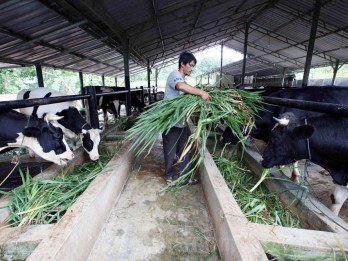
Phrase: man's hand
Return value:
(205, 96)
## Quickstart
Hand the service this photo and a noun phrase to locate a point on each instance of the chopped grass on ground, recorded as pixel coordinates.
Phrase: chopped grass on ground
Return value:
(42, 201)
(260, 205)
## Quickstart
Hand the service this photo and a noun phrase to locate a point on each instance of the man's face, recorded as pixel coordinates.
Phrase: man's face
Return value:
(187, 68)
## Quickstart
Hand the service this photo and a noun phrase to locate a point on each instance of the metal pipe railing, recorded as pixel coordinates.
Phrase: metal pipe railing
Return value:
(91, 96)
(17, 104)
(331, 108)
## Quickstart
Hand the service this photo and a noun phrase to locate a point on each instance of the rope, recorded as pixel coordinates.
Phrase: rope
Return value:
(19, 158)
(309, 160)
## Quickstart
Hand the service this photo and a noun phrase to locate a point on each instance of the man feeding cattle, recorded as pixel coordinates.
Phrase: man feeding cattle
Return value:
(38, 135)
(175, 139)
(73, 124)
(321, 138)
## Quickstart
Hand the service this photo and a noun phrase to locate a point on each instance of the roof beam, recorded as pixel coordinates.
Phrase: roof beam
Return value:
(158, 24)
(197, 14)
(289, 41)
(270, 52)
(99, 10)
(57, 48)
(69, 51)
(35, 40)
(170, 9)
(224, 20)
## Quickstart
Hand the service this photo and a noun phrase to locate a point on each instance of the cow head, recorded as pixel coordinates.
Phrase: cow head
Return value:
(90, 141)
(48, 142)
(287, 142)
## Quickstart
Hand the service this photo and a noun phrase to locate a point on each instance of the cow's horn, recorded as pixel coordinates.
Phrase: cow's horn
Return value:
(282, 121)
(52, 117)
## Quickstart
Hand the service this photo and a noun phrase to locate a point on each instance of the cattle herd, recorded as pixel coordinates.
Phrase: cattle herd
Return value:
(291, 134)
(43, 129)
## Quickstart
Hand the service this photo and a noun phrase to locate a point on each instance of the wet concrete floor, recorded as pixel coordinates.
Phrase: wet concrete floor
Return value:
(148, 225)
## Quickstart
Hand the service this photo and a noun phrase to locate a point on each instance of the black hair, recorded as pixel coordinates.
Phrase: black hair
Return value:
(186, 57)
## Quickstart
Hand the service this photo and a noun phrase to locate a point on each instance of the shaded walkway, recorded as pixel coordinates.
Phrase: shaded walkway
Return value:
(146, 225)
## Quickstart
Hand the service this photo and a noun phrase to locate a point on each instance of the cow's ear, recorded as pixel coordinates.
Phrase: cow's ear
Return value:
(303, 131)
(31, 132)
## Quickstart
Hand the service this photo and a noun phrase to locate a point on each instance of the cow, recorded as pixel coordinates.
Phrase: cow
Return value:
(112, 103)
(264, 121)
(74, 126)
(327, 146)
(38, 135)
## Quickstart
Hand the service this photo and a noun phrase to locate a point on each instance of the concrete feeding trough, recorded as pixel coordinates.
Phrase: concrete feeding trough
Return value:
(239, 239)
(73, 237)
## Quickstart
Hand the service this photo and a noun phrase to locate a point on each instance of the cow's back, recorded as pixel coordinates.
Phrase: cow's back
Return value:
(42, 93)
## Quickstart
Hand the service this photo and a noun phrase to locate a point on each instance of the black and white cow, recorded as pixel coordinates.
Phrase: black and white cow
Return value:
(39, 135)
(73, 124)
(327, 147)
(264, 121)
(112, 103)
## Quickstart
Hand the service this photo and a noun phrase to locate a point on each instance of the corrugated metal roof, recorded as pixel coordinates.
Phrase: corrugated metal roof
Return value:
(90, 36)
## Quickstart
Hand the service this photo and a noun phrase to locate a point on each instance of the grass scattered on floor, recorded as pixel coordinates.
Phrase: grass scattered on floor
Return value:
(260, 205)
(42, 201)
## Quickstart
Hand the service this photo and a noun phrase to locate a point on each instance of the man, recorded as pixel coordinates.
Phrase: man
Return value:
(174, 141)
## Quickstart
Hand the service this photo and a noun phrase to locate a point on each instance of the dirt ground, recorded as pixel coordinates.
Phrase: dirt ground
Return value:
(320, 183)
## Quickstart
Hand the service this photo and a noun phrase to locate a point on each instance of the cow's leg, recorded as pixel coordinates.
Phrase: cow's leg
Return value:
(116, 108)
(295, 174)
(105, 113)
(338, 197)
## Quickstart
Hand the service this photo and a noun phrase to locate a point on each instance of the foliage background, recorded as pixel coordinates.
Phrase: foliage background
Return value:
(15, 79)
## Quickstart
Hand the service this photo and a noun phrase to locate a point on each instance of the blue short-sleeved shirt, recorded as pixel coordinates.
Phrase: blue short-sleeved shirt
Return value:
(173, 78)
(171, 91)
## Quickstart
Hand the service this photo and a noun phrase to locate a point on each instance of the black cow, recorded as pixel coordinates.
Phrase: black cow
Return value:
(112, 103)
(38, 135)
(73, 124)
(327, 143)
(264, 121)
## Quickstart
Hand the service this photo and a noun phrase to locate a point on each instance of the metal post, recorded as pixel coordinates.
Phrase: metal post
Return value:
(285, 70)
(126, 75)
(148, 73)
(156, 76)
(81, 88)
(142, 94)
(149, 94)
(116, 81)
(221, 61)
(245, 51)
(39, 76)
(92, 107)
(154, 93)
(103, 80)
(335, 72)
(311, 42)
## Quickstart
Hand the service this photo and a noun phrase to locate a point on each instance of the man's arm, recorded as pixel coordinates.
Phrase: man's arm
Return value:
(186, 88)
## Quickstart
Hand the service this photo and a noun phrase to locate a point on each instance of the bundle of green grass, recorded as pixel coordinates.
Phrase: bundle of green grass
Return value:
(233, 107)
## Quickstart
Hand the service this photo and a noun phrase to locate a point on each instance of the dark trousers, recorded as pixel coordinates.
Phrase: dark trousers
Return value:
(173, 145)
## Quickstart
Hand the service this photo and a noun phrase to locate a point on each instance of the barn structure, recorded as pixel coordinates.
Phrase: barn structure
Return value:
(121, 38)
